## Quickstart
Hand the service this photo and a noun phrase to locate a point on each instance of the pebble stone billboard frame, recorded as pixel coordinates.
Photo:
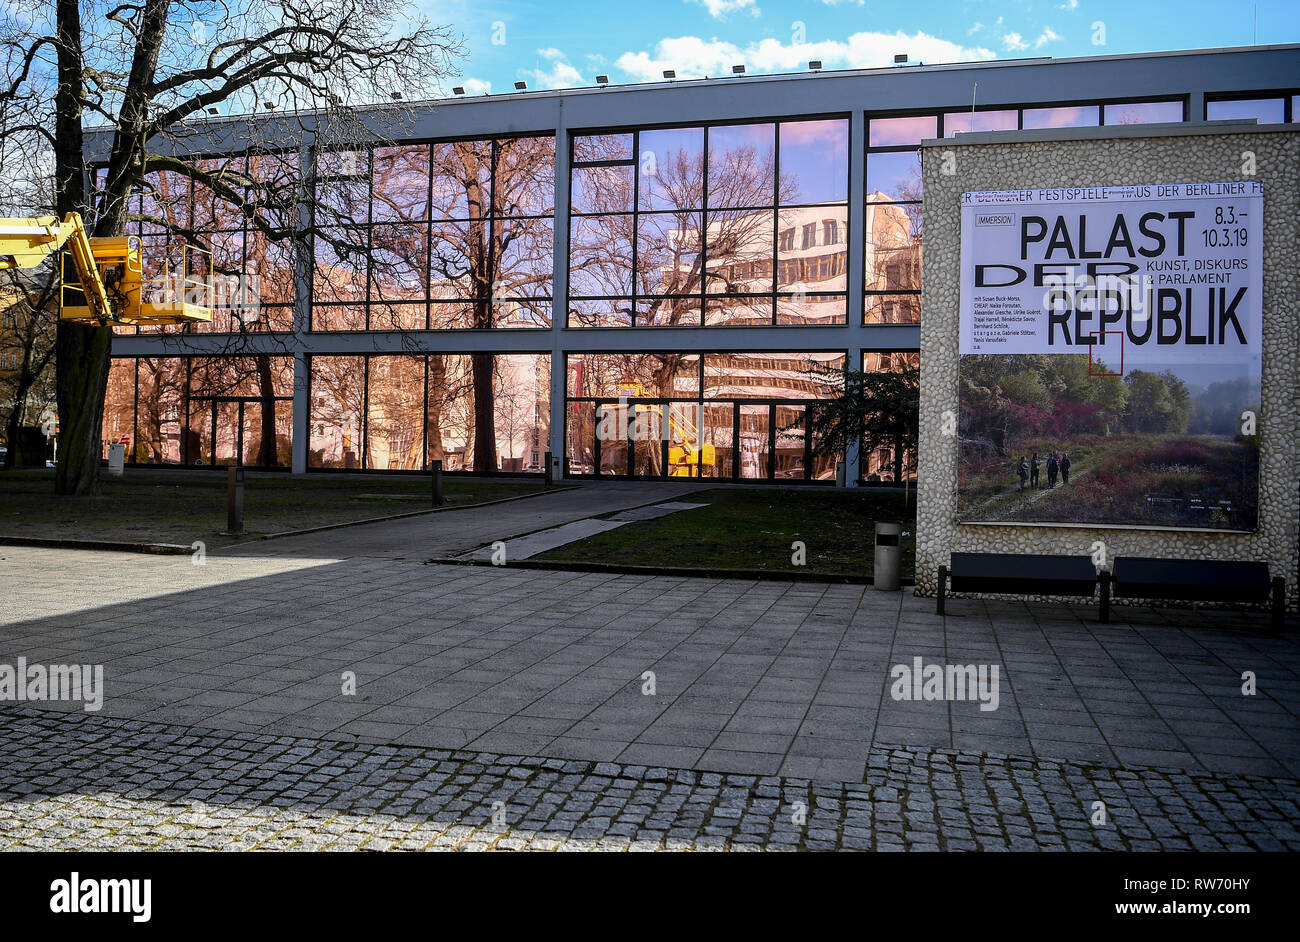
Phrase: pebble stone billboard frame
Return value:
(1110, 356)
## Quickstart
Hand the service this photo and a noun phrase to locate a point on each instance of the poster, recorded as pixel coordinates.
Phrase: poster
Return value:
(1110, 356)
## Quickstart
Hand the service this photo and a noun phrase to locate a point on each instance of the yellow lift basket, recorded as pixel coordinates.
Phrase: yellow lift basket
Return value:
(103, 279)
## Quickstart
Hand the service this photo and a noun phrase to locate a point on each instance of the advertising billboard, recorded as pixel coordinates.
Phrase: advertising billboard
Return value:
(1110, 356)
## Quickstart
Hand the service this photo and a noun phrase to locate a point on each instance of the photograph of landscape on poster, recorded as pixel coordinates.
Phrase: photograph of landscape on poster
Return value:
(1110, 369)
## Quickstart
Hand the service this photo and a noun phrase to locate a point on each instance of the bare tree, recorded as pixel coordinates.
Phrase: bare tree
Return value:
(148, 71)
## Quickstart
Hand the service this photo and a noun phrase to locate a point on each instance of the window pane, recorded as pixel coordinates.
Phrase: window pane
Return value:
(580, 438)
(397, 269)
(893, 248)
(446, 316)
(602, 189)
(731, 311)
(893, 176)
(276, 178)
(397, 316)
(600, 256)
(337, 402)
(890, 132)
(961, 122)
(1150, 112)
(874, 361)
(270, 270)
(521, 397)
(672, 169)
(768, 375)
(453, 272)
(1077, 116)
(401, 184)
(741, 165)
(739, 251)
(812, 309)
(665, 311)
(633, 375)
(461, 179)
(789, 458)
(588, 147)
(525, 266)
(260, 376)
(160, 404)
(600, 313)
(166, 199)
(814, 161)
(338, 317)
(448, 426)
(717, 459)
(342, 187)
(395, 413)
(215, 205)
(893, 309)
(525, 177)
(1265, 110)
(119, 406)
(339, 272)
(668, 253)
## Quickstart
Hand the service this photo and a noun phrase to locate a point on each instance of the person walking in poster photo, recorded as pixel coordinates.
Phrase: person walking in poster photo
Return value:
(1023, 471)
(1051, 470)
(1034, 468)
(1065, 469)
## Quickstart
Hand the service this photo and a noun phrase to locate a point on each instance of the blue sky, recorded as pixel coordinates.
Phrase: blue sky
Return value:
(566, 43)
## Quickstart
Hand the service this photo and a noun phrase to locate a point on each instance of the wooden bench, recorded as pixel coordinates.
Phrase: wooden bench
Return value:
(1193, 580)
(1013, 574)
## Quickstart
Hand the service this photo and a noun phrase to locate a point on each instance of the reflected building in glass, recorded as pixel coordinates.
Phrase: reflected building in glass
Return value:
(646, 281)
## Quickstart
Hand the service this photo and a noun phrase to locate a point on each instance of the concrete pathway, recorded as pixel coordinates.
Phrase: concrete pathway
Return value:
(449, 534)
(533, 544)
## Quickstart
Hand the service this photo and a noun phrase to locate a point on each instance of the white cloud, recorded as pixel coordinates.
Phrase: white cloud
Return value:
(1047, 36)
(1069, 5)
(1014, 42)
(475, 86)
(718, 9)
(561, 75)
(694, 57)
(974, 29)
(550, 53)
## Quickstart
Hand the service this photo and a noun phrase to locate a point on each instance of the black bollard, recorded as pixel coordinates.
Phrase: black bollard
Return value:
(235, 500)
(550, 471)
(436, 467)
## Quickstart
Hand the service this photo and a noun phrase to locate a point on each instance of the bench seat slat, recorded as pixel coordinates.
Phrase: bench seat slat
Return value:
(1193, 580)
(1013, 574)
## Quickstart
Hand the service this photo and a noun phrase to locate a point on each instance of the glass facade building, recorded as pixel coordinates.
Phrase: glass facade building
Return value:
(649, 281)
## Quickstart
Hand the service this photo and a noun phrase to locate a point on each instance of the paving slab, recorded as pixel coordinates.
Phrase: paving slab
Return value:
(374, 649)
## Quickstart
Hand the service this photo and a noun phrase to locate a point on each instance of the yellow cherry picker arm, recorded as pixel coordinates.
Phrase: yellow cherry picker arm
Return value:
(102, 278)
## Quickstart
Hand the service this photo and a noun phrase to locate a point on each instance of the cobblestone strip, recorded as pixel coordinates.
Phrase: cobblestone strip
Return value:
(71, 781)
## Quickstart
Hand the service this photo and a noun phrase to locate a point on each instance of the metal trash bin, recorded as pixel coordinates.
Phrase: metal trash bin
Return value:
(889, 535)
(116, 459)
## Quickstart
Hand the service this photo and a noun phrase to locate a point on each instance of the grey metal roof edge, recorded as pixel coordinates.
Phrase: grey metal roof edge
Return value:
(1110, 131)
(514, 96)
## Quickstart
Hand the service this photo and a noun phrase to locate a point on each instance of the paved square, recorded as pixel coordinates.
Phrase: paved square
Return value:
(767, 680)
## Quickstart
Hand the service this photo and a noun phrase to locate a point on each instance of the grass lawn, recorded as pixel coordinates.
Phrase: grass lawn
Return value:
(753, 529)
(183, 506)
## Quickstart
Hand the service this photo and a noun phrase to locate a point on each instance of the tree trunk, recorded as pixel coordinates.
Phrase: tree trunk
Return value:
(485, 438)
(81, 352)
(15, 420)
(269, 457)
(434, 399)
